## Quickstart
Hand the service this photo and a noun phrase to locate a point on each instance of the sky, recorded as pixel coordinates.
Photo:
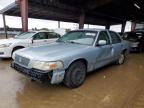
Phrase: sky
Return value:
(16, 22)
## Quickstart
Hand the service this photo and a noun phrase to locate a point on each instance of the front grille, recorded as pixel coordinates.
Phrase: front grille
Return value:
(22, 60)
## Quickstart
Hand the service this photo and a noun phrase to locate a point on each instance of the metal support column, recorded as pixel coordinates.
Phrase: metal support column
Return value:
(123, 27)
(133, 26)
(88, 26)
(24, 14)
(81, 20)
(5, 28)
(107, 25)
(58, 24)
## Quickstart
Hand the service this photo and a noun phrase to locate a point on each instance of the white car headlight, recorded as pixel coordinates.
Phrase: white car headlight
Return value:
(13, 56)
(47, 65)
(5, 45)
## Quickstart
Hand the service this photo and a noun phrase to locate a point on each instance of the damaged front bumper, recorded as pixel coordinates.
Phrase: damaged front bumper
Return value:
(54, 76)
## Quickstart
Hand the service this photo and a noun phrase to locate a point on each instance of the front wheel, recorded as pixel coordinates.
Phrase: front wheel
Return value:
(121, 59)
(75, 75)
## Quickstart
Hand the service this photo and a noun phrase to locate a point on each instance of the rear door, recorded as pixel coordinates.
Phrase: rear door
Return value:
(52, 37)
(40, 39)
(117, 45)
(105, 51)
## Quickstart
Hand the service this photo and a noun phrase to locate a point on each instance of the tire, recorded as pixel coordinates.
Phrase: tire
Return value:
(75, 75)
(121, 59)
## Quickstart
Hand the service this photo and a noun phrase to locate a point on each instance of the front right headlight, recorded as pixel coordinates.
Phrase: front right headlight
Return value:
(45, 66)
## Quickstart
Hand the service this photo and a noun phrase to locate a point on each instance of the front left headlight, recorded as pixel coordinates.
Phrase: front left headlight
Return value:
(5, 45)
(45, 66)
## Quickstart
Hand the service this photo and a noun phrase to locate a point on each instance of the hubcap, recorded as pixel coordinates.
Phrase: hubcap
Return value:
(121, 59)
(79, 76)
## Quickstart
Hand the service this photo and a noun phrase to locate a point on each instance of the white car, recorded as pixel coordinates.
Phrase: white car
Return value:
(27, 39)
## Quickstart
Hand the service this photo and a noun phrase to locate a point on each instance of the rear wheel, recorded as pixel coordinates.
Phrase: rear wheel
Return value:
(121, 59)
(75, 75)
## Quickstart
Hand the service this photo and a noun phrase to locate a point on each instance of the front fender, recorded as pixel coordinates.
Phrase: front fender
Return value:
(72, 59)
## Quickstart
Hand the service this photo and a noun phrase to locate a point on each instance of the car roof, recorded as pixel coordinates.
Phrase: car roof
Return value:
(94, 29)
(91, 29)
(37, 31)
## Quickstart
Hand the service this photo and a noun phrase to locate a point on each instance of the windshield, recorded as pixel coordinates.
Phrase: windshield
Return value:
(133, 36)
(25, 35)
(79, 37)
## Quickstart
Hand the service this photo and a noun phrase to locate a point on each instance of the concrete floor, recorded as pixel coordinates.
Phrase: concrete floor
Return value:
(110, 87)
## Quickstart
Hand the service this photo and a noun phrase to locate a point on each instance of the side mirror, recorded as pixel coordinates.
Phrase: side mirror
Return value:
(102, 42)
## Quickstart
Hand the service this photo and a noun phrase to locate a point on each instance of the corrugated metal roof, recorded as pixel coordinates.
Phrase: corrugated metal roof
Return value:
(100, 12)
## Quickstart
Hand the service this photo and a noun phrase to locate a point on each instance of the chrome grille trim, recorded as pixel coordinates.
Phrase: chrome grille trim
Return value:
(22, 60)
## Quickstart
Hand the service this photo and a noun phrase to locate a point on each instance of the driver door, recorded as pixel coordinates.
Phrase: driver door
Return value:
(104, 53)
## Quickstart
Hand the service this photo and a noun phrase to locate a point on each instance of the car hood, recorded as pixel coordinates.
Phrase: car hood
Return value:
(11, 40)
(53, 51)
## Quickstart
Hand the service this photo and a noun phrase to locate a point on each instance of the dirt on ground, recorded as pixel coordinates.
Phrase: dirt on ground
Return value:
(113, 86)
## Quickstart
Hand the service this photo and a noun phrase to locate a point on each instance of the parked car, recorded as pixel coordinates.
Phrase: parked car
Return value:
(71, 56)
(27, 39)
(136, 40)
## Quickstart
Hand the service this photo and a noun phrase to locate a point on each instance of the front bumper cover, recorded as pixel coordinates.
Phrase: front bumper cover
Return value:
(34, 74)
(53, 76)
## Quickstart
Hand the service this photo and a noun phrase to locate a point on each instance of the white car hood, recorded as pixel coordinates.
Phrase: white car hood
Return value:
(6, 41)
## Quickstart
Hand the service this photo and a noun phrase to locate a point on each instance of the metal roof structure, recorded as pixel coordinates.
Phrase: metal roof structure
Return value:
(99, 12)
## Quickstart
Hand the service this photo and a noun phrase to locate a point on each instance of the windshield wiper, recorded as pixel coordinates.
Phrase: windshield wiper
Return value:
(68, 41)
(73, 42)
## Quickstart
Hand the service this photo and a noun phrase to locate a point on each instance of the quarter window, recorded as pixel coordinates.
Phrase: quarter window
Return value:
(115, 38)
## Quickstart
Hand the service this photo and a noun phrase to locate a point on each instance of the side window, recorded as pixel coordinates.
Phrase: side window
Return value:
(104, 36)
(52, 35)
(40, 35)
(115, 37)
